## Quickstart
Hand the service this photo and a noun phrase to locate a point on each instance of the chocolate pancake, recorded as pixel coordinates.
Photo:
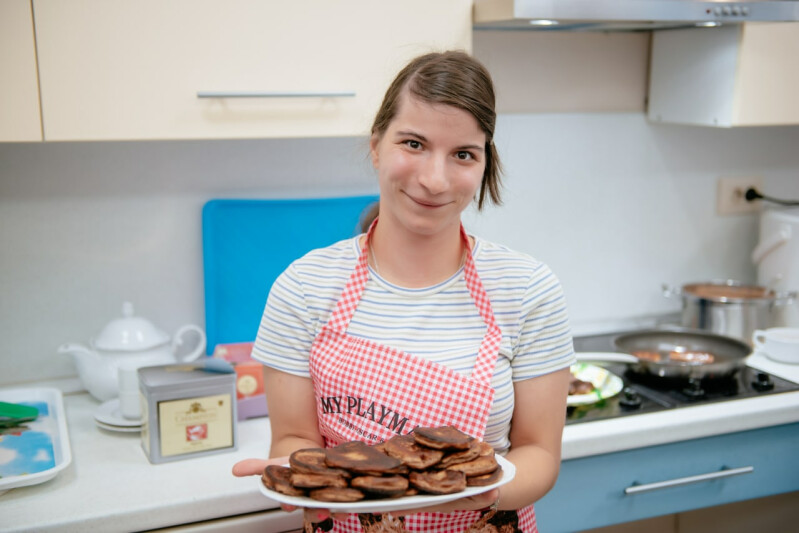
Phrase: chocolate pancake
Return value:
(312, 461)
(484, 464)
(334, 494)
(438, 481)
(360, 458)
(442, 438)
(462, 456)
(486, 449)
(405, 448)
(304, 480)
(381, 486)
(278, 478)
(484, 479)
(412, 491)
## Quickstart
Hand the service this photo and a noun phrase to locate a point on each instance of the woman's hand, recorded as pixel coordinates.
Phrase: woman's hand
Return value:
(255, 467)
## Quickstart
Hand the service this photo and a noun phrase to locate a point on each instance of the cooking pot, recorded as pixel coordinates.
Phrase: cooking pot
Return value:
(729, 354)
(730, 308)
(777, 256)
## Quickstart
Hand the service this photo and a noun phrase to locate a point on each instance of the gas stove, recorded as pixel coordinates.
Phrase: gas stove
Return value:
(649, 394)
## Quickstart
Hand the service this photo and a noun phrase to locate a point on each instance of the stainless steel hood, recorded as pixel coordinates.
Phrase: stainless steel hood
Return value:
(627, 15)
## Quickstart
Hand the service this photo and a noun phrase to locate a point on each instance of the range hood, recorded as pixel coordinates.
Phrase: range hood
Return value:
(626, 15)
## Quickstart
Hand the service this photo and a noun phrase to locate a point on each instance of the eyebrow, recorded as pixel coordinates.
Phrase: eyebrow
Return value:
(422, 138)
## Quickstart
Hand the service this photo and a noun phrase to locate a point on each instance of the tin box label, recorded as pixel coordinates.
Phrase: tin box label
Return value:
(195, 424)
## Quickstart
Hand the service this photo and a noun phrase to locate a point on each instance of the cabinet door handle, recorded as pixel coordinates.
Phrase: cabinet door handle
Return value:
(724, 472)
(267, 94)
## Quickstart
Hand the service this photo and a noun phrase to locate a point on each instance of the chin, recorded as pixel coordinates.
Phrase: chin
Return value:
(429, 225)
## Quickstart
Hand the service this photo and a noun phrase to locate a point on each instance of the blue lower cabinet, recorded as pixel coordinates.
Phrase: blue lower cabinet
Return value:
(631, 485)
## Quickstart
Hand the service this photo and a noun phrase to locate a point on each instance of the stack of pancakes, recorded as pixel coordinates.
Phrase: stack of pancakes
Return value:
(428, 460)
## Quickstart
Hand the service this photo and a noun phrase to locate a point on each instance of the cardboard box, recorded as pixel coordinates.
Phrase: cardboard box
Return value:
(250, 394)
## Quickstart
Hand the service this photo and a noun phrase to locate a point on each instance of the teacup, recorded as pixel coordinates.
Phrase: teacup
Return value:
(779, 344)
(129, 396)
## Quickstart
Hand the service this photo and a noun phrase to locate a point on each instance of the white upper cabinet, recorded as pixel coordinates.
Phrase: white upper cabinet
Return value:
(744, 75)
(19, 88)
(200, 69)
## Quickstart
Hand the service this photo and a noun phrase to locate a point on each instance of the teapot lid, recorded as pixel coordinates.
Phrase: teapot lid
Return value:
(129, 333)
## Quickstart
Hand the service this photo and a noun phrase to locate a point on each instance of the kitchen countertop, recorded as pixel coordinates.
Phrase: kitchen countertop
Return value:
(111, 485)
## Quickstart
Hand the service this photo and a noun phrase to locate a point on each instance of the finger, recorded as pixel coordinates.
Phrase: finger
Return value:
(316, 515)
(249, 467)
(486, 499)
(255, 467)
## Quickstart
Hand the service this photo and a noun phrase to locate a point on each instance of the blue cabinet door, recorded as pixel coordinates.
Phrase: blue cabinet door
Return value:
(590, 491)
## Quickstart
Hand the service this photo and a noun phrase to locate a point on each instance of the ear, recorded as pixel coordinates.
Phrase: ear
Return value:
(374, 142)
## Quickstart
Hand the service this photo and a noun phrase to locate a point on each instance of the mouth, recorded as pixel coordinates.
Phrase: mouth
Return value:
(427, 203)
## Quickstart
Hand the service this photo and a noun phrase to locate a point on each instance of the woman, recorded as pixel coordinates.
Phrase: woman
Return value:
(415, 320)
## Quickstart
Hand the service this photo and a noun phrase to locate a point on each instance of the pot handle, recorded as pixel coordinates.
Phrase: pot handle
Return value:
(670, 290)
(784, 298)
(770, 244)
(606, 357)
(758, 339)
(198, 350)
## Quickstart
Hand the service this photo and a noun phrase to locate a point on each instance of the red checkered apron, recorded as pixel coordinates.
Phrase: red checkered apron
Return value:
(369, 392)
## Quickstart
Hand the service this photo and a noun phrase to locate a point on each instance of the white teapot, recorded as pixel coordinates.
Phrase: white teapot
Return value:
(129, 341)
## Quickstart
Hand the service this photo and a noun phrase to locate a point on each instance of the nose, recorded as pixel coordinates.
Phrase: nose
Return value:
(433, 174)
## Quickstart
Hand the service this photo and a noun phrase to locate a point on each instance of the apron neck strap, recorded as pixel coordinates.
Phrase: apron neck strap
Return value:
(351, 295)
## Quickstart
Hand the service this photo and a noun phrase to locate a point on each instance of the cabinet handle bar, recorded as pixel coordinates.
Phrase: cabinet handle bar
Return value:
(724, 472)
(263, 94)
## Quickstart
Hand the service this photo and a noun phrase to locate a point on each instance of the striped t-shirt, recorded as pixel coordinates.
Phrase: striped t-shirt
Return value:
(440, 323)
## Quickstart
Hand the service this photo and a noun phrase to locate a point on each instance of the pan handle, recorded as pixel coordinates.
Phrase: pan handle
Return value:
(785, 298)
(606, 357)
(724, 472)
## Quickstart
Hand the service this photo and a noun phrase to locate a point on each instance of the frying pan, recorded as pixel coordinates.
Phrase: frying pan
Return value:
(729, 353)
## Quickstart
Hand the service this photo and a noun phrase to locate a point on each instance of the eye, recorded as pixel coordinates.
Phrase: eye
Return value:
(413, 144)
(463, 155)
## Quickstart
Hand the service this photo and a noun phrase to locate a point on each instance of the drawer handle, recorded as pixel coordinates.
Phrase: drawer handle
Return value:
(724, 472)
(262, 94)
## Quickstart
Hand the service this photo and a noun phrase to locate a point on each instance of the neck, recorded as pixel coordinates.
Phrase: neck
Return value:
(415, 261)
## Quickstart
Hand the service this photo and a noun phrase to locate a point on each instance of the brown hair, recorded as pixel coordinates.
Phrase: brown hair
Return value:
(455, 79)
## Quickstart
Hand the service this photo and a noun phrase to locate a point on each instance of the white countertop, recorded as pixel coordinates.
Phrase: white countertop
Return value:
(111, 485)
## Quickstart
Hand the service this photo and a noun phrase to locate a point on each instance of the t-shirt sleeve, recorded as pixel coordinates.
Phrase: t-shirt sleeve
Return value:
(545, 340)
(287, 329)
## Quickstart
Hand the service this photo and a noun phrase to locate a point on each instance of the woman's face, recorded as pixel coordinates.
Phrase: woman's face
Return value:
(430, 162)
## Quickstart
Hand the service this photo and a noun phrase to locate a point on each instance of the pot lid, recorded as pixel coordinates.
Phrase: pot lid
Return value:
(728, 291)
(129, 333)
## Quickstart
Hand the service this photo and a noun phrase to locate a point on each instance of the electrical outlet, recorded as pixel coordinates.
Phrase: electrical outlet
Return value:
(731, 199)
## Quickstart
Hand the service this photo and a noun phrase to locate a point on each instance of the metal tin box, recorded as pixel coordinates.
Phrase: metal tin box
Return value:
(188, 410)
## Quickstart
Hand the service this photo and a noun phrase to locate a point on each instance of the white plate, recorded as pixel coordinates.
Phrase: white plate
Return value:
(390, 504)
(108, 413)
(118, 429)
(44, 443)
(606, 384)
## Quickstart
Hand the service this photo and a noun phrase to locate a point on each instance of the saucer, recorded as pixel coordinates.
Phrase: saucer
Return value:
(118, 429)
(109, 415)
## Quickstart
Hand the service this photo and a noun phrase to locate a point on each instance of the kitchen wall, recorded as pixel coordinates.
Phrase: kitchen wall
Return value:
(615, 205)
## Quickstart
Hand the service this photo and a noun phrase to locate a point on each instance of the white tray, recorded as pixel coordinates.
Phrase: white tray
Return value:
(43, 446)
